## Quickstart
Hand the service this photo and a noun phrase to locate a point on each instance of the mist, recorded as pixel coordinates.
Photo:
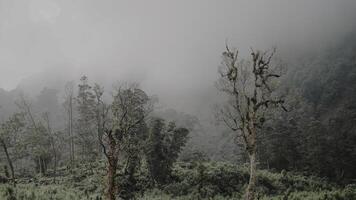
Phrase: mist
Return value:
(177, 99)
(172, 48)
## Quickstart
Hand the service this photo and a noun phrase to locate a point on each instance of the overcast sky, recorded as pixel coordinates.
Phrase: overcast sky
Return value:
(171, 47)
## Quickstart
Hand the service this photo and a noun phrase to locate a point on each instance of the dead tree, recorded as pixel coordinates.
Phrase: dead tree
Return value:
(249, 86)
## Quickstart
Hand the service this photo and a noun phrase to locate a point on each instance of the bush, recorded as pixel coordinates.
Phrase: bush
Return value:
(189, 181)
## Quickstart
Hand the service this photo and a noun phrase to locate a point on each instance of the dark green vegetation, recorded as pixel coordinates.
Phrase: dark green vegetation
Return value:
(318, 135)
(212, 180)
(98, 144)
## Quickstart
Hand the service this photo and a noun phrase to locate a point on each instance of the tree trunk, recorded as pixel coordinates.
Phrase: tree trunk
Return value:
(250, 193)
(71, 131)
(9, 161)
(55, 164)
(43, 166)
(55, 169)
(39, 165)
(112, 190)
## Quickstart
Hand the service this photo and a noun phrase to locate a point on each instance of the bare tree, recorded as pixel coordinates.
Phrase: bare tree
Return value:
(249, 86)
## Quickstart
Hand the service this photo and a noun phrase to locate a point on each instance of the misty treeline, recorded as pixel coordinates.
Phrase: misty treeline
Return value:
(94, 130)
(315, 131)
(317, 135)
(294, 120)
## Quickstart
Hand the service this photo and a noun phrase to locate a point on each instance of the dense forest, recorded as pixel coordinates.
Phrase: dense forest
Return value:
(282, 130)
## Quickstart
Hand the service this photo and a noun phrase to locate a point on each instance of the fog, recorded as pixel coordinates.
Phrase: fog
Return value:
(172, 48)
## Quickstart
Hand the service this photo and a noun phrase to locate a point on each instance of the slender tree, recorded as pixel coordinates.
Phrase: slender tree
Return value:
(68, 105)
(101, 113)
(8, 132)
(249, 87)
(86, 130)
(38, 139)
(53, 143)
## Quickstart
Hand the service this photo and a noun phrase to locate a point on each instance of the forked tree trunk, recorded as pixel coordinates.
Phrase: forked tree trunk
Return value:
(250, 192)
(112, 167)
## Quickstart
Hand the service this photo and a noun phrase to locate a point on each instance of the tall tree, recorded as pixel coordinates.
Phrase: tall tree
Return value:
(8, 132)
(155, 154)
(53, 142)
(86, 130)
(128, 111)
(69, 105)
(164, 144)
(38, 140)
(101, 113)
(249, 87)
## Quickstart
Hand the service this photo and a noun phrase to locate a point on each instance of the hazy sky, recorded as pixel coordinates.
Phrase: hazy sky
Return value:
(171, 47)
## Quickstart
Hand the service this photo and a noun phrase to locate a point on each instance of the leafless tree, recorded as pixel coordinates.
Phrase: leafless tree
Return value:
(249, 86)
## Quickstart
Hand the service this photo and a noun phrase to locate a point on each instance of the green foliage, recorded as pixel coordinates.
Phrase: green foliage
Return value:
(226, 181)
(10, 129)
(318, 134)
(338, 194)
(86, 129)
(164, 144)
(208, 180)
(51, 192)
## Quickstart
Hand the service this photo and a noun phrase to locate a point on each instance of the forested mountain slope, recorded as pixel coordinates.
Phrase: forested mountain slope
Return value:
(318, 134)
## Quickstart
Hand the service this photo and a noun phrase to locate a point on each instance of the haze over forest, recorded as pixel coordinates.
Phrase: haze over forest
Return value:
(178, 99)
(172, 48)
